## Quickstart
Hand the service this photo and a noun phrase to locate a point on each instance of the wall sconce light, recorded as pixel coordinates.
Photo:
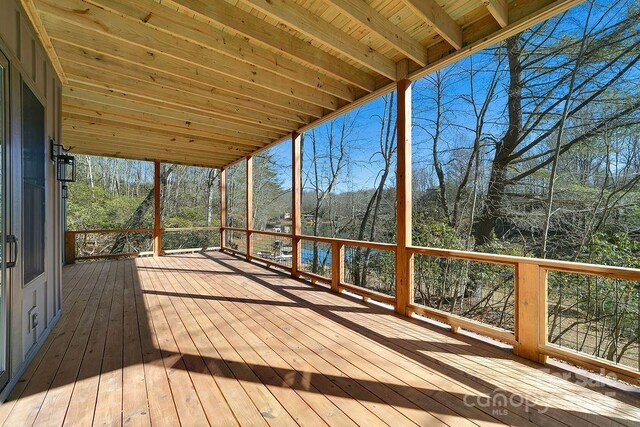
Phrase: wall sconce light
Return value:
(65, 164)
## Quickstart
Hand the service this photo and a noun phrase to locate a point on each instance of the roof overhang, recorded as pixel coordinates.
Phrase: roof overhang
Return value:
(210, 82)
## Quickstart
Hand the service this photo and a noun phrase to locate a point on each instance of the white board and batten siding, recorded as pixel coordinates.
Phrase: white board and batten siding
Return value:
(29, 63)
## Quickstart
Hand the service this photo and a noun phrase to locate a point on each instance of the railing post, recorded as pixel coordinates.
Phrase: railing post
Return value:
(296, 190)
(223, 205)
(157, 232)
(70, 247)
(337, 265)
(404, 259)
(249, 214)
(531, 311)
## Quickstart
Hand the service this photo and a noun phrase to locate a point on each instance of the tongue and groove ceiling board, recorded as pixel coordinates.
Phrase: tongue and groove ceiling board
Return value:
(210, 82)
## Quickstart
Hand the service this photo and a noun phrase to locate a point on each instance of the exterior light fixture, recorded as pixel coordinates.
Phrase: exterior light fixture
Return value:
(65, 164)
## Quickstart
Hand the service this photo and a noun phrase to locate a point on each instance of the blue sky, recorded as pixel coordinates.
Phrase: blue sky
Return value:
(460, 120)
(364, 165)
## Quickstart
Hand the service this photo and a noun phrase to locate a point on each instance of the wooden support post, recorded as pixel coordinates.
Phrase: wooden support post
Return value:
(296, 189)
(157, 231)
(223, 206)
(531, 311)
(404, 259)
(249, 213)
(69, 247)
(337, 265)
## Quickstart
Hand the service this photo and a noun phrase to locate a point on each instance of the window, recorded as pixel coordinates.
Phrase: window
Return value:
(33, 184)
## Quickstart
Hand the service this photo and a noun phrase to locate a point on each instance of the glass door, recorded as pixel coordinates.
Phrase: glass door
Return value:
(6, 259)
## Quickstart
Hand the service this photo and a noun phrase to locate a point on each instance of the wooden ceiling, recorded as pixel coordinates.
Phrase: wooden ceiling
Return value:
(210, 82)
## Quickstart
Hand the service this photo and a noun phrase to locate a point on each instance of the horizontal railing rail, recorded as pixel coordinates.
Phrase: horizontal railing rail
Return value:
(178, 229)
(71, 255)
(347, 242)
(238, 229)
(112, 231)
(549, 264)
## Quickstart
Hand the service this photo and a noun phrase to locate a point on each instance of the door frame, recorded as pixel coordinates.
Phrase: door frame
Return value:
(5, 205)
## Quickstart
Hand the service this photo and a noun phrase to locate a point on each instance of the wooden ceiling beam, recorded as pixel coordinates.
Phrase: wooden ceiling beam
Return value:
(485, 32)
(92, 110)
(81, 59)
(169, 20)
(112, 99)
(168, 96)
(433, 14)
(149, 70)
(86, 25)
(126, 150)
(231, 18)
(368, 17)
(301, 19)
(143, 133)
(94, 115)
(77, 141)
(499, 9)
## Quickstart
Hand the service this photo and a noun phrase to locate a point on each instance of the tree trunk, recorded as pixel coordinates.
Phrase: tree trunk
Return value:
(488, 220)
(135, 221)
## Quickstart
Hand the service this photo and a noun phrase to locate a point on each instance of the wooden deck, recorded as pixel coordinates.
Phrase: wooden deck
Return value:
(210, 339)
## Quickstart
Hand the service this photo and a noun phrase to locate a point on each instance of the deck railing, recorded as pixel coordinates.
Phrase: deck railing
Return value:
(514, 299)
(78, 246)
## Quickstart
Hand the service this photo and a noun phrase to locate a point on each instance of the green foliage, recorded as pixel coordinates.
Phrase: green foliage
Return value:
(93, 208)
(436, 234)
(614, 249)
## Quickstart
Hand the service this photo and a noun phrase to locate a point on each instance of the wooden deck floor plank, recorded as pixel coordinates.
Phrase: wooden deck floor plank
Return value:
(33, 395)
(547, 389)
(306, 363)
(555, 385)
(239, 400)
(375, 403)
(357, 366)
(162, 407)
(56, 403)
(110, 387)
(187, 402)
(71, 278)
(180, 339)
(566, 416)
(82, 403)
(461, 377)
(399, 359)
(192, 314)
(395, 357)
(135, 405)
(319, 409)
(535, 382)
(213, 400)
(536, 386)
(270, 408)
